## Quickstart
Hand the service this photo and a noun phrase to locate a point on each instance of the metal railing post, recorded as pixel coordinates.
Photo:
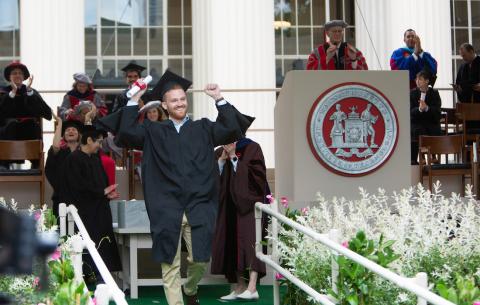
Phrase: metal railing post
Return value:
(334, 235)
(62, 215)
(275, 256)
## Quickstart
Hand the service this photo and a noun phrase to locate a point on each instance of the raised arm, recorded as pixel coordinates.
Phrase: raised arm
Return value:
(230, 124)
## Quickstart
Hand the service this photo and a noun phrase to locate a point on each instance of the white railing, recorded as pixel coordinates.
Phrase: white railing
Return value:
(104, 292)
(417, 285)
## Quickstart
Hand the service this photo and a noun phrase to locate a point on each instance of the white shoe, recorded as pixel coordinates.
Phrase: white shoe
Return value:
(247, 295)
(230, 297)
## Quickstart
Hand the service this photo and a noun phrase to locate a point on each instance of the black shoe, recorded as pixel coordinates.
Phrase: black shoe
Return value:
(191, 299)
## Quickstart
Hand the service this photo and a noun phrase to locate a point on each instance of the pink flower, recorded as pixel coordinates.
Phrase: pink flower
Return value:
(305, 210)
(284, 202)
(37, 215)
(270, 198)
(94, 301)
(36, 281)
(476, 303)
(345, 244)
(279, 276)
(56, 255)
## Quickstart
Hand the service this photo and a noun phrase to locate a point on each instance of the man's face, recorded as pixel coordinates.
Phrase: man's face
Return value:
(71, 134)
(175, 102)
(409, 39)
(335, 34)
(466, 55)
(132, 76)
(17, 76)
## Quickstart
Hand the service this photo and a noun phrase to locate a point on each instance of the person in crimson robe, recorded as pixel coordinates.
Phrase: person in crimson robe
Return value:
(85, 185)
(336, 54)
(243, 183)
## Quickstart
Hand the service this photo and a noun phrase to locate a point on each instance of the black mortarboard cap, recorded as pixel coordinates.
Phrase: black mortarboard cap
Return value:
(71, 123)
(167, 82)
(133, 66)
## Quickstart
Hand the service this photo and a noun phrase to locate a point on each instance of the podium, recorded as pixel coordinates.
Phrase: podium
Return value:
(336, 131)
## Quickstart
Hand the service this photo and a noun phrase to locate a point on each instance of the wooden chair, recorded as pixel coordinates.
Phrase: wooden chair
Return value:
(431, 150)
(448, 121)
(24, 150)
(467, 112)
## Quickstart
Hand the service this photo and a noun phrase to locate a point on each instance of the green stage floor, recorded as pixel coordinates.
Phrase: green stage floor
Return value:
(208, 295)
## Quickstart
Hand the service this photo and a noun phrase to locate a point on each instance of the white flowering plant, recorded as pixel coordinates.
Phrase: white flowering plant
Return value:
(433, 233)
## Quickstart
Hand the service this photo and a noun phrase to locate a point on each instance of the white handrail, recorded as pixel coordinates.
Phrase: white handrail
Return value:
(400, 281)
(116, 293)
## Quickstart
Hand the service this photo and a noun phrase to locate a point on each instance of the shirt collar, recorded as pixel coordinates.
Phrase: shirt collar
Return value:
(180, 124)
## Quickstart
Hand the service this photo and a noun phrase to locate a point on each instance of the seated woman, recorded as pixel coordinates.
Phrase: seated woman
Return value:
(81, 93)
(21, 106)
(425, 113)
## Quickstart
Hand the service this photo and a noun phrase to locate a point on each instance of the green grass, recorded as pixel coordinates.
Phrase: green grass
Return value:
(208, 295)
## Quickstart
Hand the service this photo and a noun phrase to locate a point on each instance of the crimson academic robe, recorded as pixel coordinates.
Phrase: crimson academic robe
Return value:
(83, 184)
(179, 173)
(234, 242)
(318, 59)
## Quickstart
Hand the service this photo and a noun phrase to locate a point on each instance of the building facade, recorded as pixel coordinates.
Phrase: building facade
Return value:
(244, 45)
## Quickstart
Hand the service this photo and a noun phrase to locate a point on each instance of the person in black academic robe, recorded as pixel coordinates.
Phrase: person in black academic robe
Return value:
(132, 73)
(179, 171)
(85, 185)
(425, 112)
(467, 83)
(243, 182)
(65, 141)
(21, 107)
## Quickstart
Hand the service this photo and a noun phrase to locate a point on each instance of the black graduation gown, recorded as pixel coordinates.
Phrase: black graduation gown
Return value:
(54, 172)
(467, 76)
(14, 112)
(120, 101)
(83, 184)
(180, 174)
(424, 123)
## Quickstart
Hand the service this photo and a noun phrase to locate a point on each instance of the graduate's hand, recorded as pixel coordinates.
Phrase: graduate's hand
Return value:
(14, 87)
(139, 94)
(224, 155)
(113, 195)
(230, 149)
(213, 90)
(57, 120)
(422, 105)
(110, 189)
(29, 83)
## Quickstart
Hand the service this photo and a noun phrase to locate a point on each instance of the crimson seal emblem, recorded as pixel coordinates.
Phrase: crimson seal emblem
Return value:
(352, 129)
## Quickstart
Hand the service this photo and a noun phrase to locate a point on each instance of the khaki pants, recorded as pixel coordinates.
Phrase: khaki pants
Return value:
(171, 273)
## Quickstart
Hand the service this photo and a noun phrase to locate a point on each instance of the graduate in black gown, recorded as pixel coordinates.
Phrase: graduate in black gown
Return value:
(467, 83)
(180, 176)
(133, 72)
(65, 140)
(21, 106)
(85, 185)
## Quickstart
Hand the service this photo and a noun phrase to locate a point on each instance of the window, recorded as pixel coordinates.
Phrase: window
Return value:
(465, 18)
(9, 33)
(155, 33)
(299, 28)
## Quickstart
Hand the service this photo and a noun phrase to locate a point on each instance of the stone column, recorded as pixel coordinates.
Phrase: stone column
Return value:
(234, 46)
(52, 45)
